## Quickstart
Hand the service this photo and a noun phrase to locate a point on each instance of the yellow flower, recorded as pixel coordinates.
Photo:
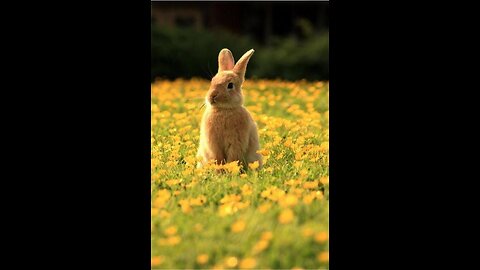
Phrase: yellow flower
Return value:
(264, 207)
(291, 183)
(157, 260)
(174, 240)
(297, 164)
(319, 195)
(324, 146)
(307, 232)
(308, 198)
(263, 152)
(297, 191)
(163, 196)
(231, 262)
(202, 259)
(154, 162)
(288, 143)
(185, 205)
(260, 246)
(164, 214)
(267, 235)
(254, 165)
(243, 175)
(200, 200)
(246, 190)
(187, 172)
(192, 183)
(288, 200)
(172, 230)
(154, 211)
(190, 159)
(198, 227)
(233, 167)
(248, 263)
(226, 209)
(231, 198)
(323, 256)
(286, 216)
(321, 237)
(273, 193)
(235, 170)
(172, 182)
(241, 205)
(310, 184)
(324, 180)
(238, 226)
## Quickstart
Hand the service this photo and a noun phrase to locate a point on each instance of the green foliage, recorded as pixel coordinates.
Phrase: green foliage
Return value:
(187, 53)
(293, 59)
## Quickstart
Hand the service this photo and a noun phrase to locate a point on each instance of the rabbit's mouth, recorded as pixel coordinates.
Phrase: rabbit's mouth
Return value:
(213, 99)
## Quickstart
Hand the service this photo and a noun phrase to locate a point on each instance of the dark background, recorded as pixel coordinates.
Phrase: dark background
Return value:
(291, 39)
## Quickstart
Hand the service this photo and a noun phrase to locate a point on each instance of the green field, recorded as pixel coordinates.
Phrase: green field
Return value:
(276, 217)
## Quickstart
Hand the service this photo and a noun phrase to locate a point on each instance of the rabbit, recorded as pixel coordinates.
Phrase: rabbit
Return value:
(228, 132)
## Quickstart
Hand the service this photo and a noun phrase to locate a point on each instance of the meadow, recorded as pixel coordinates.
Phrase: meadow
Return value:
(275, 217)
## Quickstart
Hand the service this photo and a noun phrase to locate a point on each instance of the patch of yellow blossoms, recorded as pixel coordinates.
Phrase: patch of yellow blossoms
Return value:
(241, 219)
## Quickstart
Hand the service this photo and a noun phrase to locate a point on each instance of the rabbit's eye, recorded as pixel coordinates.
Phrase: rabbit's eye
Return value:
(230, 86)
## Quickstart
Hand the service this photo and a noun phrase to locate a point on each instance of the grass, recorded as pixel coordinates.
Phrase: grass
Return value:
(276, 217)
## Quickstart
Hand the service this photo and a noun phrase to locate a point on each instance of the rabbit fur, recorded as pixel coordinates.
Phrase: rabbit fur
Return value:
(228, 132)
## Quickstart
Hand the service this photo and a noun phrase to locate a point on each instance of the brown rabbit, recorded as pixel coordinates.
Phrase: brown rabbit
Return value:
(228, 132)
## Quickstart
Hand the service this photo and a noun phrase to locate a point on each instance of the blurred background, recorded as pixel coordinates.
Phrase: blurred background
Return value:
(290, 39)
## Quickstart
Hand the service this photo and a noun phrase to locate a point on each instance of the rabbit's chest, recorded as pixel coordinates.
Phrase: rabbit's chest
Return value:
(227, 129)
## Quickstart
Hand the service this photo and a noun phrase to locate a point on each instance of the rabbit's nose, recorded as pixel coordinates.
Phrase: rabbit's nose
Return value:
(213, 98)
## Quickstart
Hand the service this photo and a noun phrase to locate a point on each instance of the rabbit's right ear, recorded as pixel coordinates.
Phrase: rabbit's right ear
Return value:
(241, 65)
(225, 60)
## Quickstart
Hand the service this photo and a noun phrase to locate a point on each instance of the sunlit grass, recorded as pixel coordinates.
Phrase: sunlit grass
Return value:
(276, 217)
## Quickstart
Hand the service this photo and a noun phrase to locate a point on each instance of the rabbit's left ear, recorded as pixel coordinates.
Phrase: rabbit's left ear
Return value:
(241, 65)
(225, 60)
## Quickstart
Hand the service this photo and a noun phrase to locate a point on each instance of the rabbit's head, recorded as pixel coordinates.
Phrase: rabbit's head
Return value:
(226, 87)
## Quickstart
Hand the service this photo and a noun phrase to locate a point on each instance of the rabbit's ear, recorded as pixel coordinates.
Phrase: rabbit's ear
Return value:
(241, 65)
(225, 60)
